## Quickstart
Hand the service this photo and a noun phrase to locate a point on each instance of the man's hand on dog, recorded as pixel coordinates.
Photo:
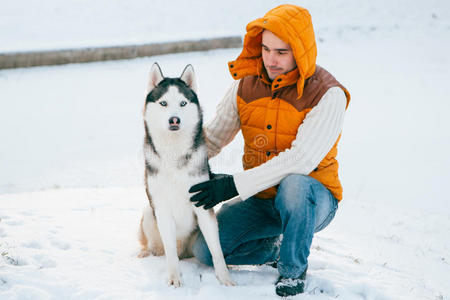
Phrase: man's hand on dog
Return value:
(210, 193)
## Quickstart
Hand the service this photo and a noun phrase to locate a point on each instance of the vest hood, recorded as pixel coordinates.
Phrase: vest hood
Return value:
(290, 23)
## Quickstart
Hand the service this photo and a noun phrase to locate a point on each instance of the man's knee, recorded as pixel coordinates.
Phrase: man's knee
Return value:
(201, 251)
(294, 191)
(297, 180)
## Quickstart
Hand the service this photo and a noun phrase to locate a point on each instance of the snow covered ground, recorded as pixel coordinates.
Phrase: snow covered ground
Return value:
(71, 188)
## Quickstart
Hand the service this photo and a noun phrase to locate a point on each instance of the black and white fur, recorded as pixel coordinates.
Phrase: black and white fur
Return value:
(175, 159)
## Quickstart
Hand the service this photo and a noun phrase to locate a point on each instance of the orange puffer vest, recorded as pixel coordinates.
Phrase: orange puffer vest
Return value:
(271, 112)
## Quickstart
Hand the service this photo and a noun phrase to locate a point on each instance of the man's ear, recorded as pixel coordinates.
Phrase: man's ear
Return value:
(155, 77)
(188, 77)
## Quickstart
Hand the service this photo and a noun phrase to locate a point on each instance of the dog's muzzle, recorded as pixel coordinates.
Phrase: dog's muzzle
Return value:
(174, 123)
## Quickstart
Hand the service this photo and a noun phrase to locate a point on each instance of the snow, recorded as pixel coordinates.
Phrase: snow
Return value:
(52, 24)
(71, 179)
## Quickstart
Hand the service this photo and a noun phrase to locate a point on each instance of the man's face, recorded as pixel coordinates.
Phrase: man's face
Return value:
(276, 54)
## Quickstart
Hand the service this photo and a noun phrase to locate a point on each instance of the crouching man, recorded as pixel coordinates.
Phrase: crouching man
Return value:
(291, 113)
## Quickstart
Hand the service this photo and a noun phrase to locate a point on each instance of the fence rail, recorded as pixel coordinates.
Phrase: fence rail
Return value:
(67, 56)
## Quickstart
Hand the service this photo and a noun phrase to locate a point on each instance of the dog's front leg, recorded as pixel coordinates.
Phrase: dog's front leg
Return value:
(167, 230)
(208, 225)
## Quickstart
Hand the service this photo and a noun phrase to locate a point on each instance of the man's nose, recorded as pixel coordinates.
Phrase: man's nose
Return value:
(271, 58)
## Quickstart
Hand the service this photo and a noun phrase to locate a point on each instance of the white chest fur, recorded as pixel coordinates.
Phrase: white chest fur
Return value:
(174, 173)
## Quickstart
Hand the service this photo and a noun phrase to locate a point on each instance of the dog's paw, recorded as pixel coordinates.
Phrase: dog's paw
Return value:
(174, 280)
(144, 253)
(225, 279)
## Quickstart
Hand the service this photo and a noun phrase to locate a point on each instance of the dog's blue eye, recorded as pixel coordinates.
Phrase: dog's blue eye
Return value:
(183, 103)
(163, 103)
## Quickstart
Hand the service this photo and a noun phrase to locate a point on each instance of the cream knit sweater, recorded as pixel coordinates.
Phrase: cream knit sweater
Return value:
(315, 138)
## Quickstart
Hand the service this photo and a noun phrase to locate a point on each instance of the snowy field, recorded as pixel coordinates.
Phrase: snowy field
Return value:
(71, 187)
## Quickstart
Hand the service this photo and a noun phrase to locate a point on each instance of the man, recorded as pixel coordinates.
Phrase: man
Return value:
(291, 114)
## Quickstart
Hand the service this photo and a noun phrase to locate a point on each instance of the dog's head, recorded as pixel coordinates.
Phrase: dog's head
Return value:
(171, 103)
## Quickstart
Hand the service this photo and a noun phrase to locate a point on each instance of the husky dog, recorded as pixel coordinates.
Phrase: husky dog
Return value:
(175, 159)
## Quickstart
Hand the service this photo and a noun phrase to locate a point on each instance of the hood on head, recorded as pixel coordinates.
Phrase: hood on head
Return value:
(290, 23)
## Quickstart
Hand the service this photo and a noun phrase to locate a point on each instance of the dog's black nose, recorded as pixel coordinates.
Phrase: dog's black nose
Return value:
(174, 121)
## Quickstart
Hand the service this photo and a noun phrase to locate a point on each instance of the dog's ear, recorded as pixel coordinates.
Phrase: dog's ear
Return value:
(188, 77)
(156, 76)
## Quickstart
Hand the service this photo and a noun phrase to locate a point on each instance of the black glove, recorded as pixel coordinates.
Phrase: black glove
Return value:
(220, 188)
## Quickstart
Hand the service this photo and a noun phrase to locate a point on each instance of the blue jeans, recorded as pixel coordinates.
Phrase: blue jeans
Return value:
(250, 231)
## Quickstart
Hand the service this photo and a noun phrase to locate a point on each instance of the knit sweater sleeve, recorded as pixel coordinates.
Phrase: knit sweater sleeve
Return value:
(315, 138)
(225, 125)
